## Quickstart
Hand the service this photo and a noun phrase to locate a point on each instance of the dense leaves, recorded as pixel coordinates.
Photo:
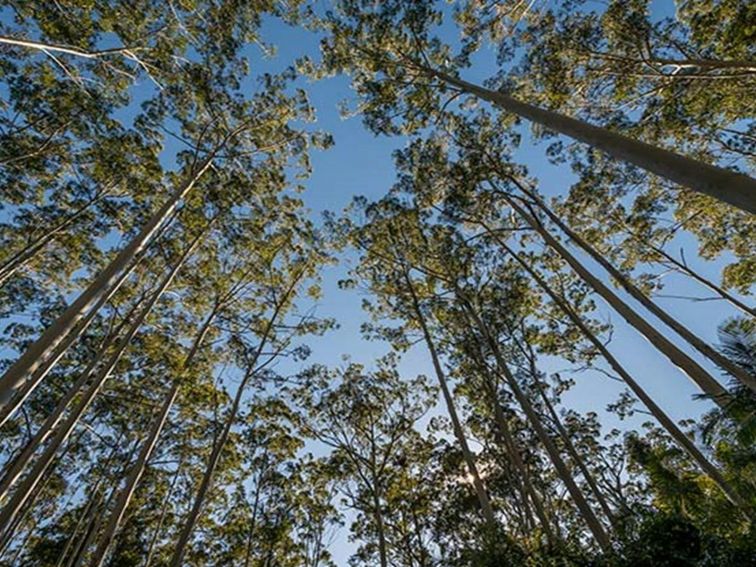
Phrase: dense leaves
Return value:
(160, 277)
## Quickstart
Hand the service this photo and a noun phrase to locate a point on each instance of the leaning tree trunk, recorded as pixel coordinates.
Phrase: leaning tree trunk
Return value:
(728, 186)
(85, 513)
(666, 422)
(530, 491)
(505, 437)
(49, 363)
(15, 468)
(561, 468)
(13, 379)
(218, 446)
(96, 521)
(572, 450)
(6, 538)
(137, 470)
(694, 341)
(701, 377)
(480, 489)
(22, 493)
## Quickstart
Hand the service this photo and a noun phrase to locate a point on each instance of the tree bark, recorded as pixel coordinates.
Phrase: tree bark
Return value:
(666, 422)
(509, 442)
(480, 490)
(49, 363)
(590, 518)
(737, 189)
(13, 379)
(701, 377)
(14, 469)
(694, 341)
(22, 493)
(578, 460)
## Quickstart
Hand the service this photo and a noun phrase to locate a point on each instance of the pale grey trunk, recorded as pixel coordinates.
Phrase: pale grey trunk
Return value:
(21, 494)
(137, 470)
(480, 489)
(694, 341)
(96, 522)
(14, 378)
(382, 550)
(46, 365)
(701, 377)
(85, 513)
(530, 490)
(577, 459)
(535, 421)
(207, 479)
(505, 437)
(13, 470)
(666, 422)
(728, 186)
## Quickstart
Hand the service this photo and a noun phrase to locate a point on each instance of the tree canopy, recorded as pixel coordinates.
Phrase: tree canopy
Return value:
(528, 341)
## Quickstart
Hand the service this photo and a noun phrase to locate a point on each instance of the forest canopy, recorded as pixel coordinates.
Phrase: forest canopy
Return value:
(406, 283)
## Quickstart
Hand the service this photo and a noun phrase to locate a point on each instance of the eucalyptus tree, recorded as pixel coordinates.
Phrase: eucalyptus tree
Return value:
(368, 420)
(441, 187)
(386, 268)
(401, 68)
(23, 491)
(200, 96)
(258, 337)
(257, 144)
(677, 80)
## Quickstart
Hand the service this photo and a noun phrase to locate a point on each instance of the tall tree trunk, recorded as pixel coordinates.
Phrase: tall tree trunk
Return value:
(253, 521)
(15, 262)
(511, 443)
(572, 450)
(15, 468)
(6, 538)
(535, 421)
(382, 549)
(701, 377)
(46, 365)
(480, 489)
(13, 379)
(694, 341)
(85, 514)
(728, 186)
(21, 494)
(207, 479)
(504, 437)
(96, 521)
(138, 468)
(666, 422)
(163, 513)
